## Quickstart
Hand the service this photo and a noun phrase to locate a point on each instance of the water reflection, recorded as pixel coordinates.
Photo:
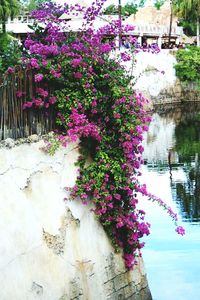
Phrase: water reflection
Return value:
(172, 172)
(173, 145)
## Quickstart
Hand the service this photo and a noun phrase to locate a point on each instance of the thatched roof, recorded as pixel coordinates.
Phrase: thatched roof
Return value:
(151, 15)
(188, 39)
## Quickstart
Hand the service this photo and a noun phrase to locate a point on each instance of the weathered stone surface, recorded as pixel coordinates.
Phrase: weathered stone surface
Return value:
(156, 78)
(9, 143)
(33, 138)
(53, 249)
(120, 281)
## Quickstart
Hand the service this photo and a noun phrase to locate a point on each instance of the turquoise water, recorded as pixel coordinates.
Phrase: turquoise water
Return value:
(172, 171)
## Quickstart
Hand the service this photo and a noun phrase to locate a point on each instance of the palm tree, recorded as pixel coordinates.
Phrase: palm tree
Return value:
(189, 9)
(8, 8)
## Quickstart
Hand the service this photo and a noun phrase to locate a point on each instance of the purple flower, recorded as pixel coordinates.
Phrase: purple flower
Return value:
(105, 48)
(125, 56)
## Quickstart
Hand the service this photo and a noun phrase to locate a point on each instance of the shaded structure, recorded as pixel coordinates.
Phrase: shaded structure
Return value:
(16, 122)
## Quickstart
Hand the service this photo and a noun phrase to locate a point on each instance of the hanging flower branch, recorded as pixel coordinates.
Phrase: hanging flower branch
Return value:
(96, 105)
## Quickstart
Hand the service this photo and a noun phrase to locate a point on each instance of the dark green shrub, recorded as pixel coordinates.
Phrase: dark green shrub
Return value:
(188, 66)
(10, 52)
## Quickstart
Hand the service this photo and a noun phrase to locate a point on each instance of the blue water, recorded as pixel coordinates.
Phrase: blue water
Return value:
(172, 172)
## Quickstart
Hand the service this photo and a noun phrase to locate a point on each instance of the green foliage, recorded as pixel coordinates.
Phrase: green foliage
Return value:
(189, 26)
(129, 9)
(188, 66)
(5, 39)
(188, 139)
(188, 10)
(8, 8)
(52, 144)
(10, 52)
(126, 10)
(33, 4)
(111, 10)
(159, 3)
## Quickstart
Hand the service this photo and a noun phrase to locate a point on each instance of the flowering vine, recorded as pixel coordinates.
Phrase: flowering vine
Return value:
(96, 105)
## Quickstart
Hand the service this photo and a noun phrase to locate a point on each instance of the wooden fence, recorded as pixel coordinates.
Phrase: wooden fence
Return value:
(16, 122)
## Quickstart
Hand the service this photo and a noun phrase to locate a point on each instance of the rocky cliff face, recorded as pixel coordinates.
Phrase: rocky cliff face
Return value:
(156, 78)
(53, 249)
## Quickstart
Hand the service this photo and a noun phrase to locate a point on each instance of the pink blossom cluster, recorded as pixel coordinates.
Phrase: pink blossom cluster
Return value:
(79, 126)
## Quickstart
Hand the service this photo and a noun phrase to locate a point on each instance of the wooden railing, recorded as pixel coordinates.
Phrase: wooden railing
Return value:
(16, 122)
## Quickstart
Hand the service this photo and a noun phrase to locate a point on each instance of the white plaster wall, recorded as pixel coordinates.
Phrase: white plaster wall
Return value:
(53, 249)
(155, 72)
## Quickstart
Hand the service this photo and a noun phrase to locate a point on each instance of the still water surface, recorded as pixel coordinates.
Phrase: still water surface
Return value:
(172, 171)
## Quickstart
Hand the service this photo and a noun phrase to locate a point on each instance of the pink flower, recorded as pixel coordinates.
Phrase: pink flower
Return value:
(27, 104)
(117, 196)
(145, 127)
(129, 260)
(55, 74)
(116, 115)
(38, 102)
(76, 62)
(84, 196)
(78, 75)
(108, 198)
(10, 70)
(180, 230)
(38, 77)
(34, 63)
(85, 202)
(52, 100)
(19, 94)
(45, 62)
(46, 105)
(110, 205)
(42, 92)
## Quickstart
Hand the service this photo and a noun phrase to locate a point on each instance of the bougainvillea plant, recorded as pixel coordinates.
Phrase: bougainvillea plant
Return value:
(96, 106)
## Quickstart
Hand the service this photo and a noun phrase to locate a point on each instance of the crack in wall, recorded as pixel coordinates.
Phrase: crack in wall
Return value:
(57, 242)
(29, 179)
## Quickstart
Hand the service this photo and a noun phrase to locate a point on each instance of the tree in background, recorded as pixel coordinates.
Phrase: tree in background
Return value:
(159, 3)
(131, 8)
(111, 10)
(33, 4)
(10, 52)
(30, 5)
(8, 8)
(189, 27)
(127, 10)
(190, 11)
